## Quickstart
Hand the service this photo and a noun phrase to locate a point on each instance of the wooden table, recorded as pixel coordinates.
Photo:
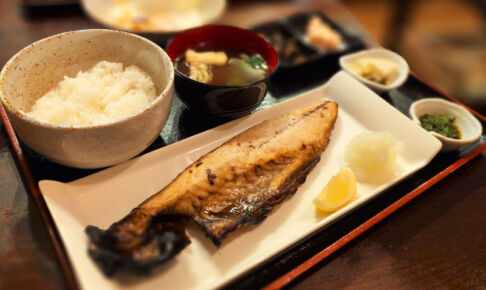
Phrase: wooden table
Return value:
(436, 241)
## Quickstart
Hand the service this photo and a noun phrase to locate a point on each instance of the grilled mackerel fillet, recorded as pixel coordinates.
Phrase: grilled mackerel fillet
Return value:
(237, 183)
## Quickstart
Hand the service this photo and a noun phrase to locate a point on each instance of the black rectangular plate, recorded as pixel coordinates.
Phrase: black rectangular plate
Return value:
(293, 28)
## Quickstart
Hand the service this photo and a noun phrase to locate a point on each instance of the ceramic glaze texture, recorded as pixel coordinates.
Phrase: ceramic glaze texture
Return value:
(42, 65)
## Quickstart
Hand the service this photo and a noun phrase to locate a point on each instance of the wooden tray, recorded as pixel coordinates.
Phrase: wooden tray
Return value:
(294, 261)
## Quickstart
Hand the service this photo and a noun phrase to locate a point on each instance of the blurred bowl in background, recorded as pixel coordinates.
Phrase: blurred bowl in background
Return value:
(39, 67)
(154, 16)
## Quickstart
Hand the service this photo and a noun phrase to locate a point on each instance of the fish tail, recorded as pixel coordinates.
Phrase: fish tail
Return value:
(164, 238)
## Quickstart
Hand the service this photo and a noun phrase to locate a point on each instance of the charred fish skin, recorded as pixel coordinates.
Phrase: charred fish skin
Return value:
(239, 182)
(164, 239)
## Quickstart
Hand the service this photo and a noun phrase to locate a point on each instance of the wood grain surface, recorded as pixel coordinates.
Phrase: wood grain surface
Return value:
(436, 241)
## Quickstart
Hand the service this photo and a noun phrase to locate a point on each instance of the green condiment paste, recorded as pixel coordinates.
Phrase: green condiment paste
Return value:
(442, 124)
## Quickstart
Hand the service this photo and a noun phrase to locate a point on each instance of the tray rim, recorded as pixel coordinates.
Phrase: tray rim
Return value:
(40, 203)
(285, 278)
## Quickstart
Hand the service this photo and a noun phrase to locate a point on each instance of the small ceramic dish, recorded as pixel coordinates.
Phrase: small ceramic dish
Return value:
(218, 100)
(153, 16)
(400, 77)
(470, 128)
(39, 67)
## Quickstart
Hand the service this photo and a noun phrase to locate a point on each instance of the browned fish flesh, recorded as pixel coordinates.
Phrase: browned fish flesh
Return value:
(237, 183)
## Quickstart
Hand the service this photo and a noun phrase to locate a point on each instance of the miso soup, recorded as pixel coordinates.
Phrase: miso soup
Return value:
(222, 67)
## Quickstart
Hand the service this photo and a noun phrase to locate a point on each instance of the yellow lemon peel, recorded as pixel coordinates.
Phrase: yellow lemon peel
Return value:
(340, 190)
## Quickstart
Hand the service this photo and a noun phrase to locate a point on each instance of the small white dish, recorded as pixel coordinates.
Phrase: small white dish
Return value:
(467, 124)
(347, 60)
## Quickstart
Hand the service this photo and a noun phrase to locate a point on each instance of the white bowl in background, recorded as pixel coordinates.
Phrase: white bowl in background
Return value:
(36, 69)
(468, 125)
(154, 16)
(402, 66)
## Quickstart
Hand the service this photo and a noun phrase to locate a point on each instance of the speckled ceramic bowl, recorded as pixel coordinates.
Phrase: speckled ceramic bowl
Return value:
(42, 65)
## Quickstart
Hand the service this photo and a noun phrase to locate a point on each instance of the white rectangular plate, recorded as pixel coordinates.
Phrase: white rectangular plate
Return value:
(107, 196)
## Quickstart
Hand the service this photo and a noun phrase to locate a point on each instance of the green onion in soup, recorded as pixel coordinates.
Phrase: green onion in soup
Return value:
(224, 68)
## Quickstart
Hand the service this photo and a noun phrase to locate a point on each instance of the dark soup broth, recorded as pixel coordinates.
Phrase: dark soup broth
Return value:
(223, 67)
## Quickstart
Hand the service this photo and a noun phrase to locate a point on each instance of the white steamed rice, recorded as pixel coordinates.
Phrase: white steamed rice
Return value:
(104, 93)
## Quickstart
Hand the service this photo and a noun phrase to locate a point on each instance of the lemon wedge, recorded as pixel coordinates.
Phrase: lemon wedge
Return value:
(340, 190)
